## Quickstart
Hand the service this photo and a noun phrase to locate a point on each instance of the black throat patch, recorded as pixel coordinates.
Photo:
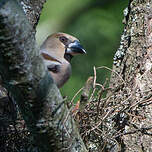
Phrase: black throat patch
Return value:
(68, 57)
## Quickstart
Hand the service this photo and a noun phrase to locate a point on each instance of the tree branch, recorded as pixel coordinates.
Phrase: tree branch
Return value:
(32, 9)
(26, 78)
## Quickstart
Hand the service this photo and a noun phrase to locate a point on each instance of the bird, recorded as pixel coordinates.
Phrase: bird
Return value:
(57, 51)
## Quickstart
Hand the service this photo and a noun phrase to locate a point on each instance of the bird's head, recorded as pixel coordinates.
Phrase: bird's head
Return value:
(61, 46)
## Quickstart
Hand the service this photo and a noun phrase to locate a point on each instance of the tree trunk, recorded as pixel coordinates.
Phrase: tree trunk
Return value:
(133, 77)
(24, 75)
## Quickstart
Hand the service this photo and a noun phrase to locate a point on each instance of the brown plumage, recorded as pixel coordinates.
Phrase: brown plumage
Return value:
(57, 51)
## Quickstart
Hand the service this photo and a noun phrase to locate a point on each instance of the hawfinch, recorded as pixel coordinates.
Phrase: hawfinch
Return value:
(57, 51)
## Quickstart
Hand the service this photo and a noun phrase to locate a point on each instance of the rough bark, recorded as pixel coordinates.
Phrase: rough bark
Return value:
(26, 78)
(32, 10)
(132, 125)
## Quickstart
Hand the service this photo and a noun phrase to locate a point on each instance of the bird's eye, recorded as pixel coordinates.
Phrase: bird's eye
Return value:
(63, 39)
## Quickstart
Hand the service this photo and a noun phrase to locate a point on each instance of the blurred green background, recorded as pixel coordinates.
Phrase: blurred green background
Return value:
(96, 23)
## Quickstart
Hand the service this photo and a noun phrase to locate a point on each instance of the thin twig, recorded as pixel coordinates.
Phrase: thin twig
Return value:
(104, 67)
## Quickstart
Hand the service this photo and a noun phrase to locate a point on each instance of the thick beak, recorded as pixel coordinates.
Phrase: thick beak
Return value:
(75, 48)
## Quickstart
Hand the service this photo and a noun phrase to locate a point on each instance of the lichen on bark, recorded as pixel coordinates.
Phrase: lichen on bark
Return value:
(135, 69)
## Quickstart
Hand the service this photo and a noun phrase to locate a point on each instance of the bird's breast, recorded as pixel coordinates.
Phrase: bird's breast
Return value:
(63, 74)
